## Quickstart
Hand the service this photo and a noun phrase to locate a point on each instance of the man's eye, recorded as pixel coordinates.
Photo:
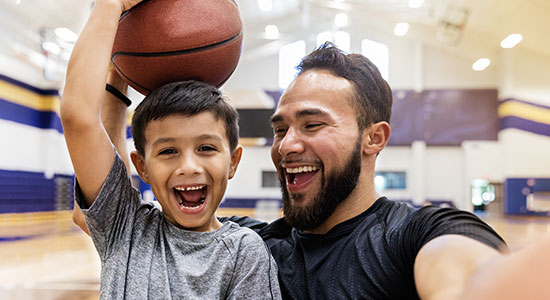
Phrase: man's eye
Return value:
(279, 130)
(167, 152)
(313, 125)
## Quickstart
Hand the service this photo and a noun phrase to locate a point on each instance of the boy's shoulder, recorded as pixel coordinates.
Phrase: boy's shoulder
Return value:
(237, 238)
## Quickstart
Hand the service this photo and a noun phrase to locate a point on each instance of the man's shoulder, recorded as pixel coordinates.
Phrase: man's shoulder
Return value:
(393, 213)
(278, 229)
(400, 215)
(244, 221)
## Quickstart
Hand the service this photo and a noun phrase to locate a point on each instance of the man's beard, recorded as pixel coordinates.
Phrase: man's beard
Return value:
(335, 188)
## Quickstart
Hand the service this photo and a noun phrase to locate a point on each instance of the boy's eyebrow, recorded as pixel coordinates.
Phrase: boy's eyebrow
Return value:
(299, 114)
(163, 140)
(210, 137)
(202, 137)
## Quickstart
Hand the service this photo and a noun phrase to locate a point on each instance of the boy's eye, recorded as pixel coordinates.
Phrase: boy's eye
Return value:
(207, 148)
(167, 152)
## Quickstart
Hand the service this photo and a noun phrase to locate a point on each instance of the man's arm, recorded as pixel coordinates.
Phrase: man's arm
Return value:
(524, 274)
(114, 115)
(91, 150)
(445, 265)
(458, 267)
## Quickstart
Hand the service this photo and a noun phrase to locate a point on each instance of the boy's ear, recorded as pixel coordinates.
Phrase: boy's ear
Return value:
(139, 163)
(375, 137)
(235, 159)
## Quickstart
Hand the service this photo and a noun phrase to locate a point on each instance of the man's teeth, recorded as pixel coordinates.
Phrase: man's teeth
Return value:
(301, 169)
(190, 188)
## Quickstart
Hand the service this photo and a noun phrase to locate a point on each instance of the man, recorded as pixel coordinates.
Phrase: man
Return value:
(339, 239)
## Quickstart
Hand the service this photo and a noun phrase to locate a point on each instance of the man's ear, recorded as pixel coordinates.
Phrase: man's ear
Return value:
(235, 159)
(139, 163)
(375, 137)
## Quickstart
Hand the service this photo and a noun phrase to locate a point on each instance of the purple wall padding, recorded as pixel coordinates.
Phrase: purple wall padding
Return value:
(444, 117)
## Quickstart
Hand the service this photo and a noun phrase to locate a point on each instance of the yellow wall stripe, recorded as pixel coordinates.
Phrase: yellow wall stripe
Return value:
(524, 111)
(24, 97)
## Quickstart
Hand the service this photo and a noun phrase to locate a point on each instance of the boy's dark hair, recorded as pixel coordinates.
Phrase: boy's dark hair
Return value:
(185, 98)
(373, 94)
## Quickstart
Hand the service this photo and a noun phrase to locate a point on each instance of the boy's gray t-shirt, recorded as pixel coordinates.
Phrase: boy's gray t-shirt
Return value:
(143, 256)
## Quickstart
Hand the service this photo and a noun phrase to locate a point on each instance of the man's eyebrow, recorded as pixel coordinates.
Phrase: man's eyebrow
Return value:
(300, 114)
(310, 112)
(275, 118)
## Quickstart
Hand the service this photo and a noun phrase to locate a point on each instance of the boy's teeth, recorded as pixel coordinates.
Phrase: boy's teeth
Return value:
(192, 207)
(190, 188)
(301, 169)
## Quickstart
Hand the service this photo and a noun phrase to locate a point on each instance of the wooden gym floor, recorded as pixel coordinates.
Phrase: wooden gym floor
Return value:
(45, 256)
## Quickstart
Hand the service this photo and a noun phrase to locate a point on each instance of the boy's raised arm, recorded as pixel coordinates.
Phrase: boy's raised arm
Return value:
(90, 149)
(114, 116)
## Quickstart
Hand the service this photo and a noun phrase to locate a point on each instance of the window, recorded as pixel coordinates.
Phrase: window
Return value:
(390, 180)
(270, 179)
(378, 53)
(289, 57)
(341, 39)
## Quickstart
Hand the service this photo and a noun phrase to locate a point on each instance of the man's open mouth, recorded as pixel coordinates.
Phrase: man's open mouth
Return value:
(191, 196)
(299, 175)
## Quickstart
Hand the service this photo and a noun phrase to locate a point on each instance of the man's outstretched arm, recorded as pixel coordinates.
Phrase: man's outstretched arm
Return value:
(458, 267)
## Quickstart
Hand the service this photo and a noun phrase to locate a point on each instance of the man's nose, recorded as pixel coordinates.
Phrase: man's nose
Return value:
(291, 143)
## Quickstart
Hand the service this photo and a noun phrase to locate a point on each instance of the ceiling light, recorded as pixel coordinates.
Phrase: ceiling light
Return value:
(481, 64)
(401, 29)
(341, 20)
(271, 32)
(511, 40)
(265, 5)
(66, 34)
(51, 47)
(415, 3)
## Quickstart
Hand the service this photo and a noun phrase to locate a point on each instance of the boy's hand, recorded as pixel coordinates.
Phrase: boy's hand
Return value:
(124, 4)
(127, 4)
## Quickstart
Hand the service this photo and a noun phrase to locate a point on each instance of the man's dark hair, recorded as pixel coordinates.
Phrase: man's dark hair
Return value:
(185, 98)
(373, 94)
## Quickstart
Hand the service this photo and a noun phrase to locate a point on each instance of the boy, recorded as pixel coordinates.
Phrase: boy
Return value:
(186, 140)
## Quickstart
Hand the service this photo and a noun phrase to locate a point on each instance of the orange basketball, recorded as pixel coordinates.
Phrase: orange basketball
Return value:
(162, 41)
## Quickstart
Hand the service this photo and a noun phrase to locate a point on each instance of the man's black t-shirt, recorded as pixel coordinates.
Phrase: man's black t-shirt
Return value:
(370, 256)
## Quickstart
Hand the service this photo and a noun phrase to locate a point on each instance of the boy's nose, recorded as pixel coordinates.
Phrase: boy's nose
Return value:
(188, 166)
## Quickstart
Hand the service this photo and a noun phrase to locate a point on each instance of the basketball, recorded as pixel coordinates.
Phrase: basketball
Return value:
(162, 41)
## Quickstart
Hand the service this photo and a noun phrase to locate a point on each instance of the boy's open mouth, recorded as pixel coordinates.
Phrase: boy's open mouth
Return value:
(191, 196)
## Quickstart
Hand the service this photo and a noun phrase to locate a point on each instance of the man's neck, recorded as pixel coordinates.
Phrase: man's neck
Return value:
(355, 204)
